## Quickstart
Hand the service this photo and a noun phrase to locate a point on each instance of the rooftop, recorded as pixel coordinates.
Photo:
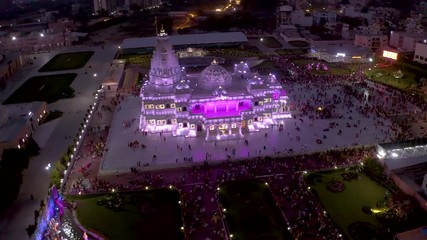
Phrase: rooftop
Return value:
(189, 39)
(18, 117)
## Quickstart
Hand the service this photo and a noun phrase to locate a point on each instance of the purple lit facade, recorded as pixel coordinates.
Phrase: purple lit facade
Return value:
(215, 104)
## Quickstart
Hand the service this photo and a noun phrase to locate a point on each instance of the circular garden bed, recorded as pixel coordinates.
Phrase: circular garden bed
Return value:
(335, 186)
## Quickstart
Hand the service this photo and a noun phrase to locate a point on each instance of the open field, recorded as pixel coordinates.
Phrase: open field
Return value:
(49, 88)
(150, 215)
(67, 61)
(343, 194)
(251, 212)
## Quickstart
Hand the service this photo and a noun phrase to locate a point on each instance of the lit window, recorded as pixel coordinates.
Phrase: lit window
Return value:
(223, 126)
(174, 121)
(233, 125)
(260, 119)
(212, 127)
(267, 100)
(250, 121)
(179, 125)
(152, 121)
(179, 109)
(193, 126)
(159, 122)
(173, 105)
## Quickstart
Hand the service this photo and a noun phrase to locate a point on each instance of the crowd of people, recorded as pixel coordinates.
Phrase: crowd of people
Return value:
(304, 214)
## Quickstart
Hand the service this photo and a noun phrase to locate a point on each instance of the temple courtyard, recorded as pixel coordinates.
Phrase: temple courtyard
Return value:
(128, 148)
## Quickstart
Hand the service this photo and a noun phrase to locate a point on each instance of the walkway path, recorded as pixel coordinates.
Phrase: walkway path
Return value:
(36, 179)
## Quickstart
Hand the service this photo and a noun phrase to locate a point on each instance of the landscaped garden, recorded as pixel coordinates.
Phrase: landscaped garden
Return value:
(401, 79)
(144, 60)
(345, 193)
(49, 88)
(363, 208)
(67, 61)
(149, 215)
(251, 212)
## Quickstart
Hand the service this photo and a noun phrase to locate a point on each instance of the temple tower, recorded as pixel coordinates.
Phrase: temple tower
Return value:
(165, 69)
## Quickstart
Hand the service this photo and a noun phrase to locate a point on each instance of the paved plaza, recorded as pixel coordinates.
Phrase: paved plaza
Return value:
(300, 135)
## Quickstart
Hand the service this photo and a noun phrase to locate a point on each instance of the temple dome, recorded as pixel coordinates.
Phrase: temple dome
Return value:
(219, 92)
(256, 80)
(214, 76)
(271, 78)
(241, 68)
(183, 84)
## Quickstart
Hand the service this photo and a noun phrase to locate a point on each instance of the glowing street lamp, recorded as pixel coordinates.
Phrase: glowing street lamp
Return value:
(41, 35)
(13, 38)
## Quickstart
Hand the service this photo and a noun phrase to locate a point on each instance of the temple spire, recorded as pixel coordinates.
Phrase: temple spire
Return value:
(162, 31)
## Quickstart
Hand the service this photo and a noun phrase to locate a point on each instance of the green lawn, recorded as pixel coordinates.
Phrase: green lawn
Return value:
(67, 61)
(251, 212)
(345, 207)
(385, 75)
(49, 88)
(148, 215)
(144, 60)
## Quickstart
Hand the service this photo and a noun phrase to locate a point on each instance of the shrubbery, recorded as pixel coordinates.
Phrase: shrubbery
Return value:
(57, 172)
(374, 168)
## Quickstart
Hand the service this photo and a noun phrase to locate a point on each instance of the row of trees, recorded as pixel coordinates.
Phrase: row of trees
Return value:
(57, 172)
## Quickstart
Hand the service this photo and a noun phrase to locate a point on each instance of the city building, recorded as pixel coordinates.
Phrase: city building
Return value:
(421, 52)
(405, 163)
(18, 122)
(373, 42)
(10, 63)
(291, 33)
(203, 40)
(36, 37)
(111, 6)
(302, 18)
(284, 17)
(405, 41)
(340, 51)
(214, 104)
(321, 17)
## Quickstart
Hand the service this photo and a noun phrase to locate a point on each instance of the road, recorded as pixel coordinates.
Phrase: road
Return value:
(36, 179)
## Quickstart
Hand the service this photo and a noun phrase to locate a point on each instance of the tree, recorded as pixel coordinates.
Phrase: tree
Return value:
(30, 229)
(36, 215)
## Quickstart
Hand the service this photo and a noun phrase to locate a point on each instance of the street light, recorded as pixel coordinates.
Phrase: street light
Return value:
(41, 35)
(13, 38)
(94, 74)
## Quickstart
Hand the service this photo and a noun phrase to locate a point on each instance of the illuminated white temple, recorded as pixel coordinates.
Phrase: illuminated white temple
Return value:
(215, 104)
